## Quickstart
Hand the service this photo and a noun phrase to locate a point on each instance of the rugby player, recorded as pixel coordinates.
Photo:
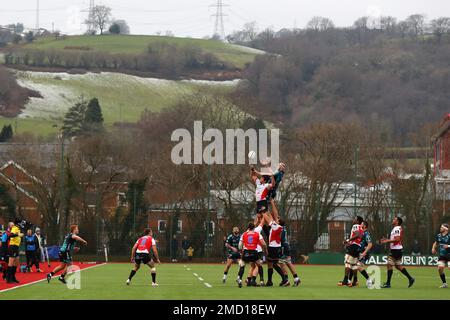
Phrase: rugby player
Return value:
(264, 184)
(278, 177)
(232, 245)
(441, 246)
(366, 246)
(65, 253)
(248, 244)
(15, 237)
(286, 260)
(144, 251)
(395, 257)
(353, 249)
(274, 249)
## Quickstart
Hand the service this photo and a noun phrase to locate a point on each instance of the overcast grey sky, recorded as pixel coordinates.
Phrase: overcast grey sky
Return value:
(193, 17)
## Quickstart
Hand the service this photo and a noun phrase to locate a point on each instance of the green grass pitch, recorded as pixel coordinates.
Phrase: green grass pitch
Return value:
(177, 281)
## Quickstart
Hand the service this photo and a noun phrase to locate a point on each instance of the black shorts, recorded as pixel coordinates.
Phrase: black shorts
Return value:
(354, 250)
(65, 257)
(274, 253)
(396, 254)
(445, 258)
(142, 257)
(260, 204)
(234, 256)
(250, 256)
(13, 251)
(286, 251)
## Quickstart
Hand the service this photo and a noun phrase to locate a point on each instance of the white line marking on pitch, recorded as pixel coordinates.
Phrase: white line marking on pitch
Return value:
(45, 279)
(207, 284)
(188, 269)
(201, 279)
(195, 274)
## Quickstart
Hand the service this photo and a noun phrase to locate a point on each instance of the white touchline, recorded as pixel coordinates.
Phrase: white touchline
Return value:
(45, 279)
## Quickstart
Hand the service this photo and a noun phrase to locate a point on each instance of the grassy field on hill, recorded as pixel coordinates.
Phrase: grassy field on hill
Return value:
(122, 97)
(135, 44)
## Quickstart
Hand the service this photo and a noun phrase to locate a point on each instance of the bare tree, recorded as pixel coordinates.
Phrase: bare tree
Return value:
(440, 27)
(320, 24)
(99, 18)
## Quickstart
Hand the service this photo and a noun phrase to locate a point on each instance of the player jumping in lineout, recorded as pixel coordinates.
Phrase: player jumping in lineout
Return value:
(144, 251)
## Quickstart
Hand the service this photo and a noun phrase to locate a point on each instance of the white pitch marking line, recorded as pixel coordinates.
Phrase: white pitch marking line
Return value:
(201, 279)
(188, 269)
(195, 274)
(207, 284)
(30, 283)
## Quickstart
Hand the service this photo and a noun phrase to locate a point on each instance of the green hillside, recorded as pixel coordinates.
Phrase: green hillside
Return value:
(236, 55)
(122, 97)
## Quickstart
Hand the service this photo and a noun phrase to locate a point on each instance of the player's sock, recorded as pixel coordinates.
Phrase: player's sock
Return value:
(132, 273)
(443, 277)
(355, 277)
(389, 276)
(269, 274)
(8, 273)
(261, 273)
(350, 276)
(253, 280)
(365, 274)
(154, 277)
(406, 273)
(279, 271)
(52, 273)
(295, 276)
(241, 272)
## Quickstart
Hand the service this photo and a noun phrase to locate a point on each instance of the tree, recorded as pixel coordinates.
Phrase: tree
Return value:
(74, 119)
(119, 27)
(114, 28)
(320, 24)
(93, 119)
(6, 134)
(440, 27)
(416, 24)
(99, 18)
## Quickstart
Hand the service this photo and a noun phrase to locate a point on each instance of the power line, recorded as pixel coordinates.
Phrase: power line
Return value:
(219, 28)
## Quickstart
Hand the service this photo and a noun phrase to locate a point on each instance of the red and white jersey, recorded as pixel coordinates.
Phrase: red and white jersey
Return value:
(356, 228)
(275, 234)
(251, 240)
(396, 232)
(262, 189)
(144, 244)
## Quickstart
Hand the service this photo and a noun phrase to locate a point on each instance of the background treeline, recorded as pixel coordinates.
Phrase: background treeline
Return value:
(389, 74)
(163, 58)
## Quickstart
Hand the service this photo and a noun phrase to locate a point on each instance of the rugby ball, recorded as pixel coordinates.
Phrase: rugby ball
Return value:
(252, 155)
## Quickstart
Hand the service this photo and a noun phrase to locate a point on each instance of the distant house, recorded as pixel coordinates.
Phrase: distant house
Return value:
(441, 142)
(21, 184)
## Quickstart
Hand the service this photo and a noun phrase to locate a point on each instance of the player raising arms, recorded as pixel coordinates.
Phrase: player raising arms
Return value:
(232, 245)
(395, 257)
(353, 249)
(65, 253)
(263, 183)
(144, 251)
(249, 243)
(442, 247)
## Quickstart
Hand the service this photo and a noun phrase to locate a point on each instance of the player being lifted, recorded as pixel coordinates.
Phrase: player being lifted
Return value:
(441, 246)
(144, 251)
(395, 257)
(234, 255)
(248, 244)
(65, 254)
(353, 249)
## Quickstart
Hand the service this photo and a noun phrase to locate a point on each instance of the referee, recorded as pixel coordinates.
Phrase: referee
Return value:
(15, 238)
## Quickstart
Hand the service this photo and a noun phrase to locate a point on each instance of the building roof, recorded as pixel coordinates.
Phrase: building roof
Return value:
(443, 128)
